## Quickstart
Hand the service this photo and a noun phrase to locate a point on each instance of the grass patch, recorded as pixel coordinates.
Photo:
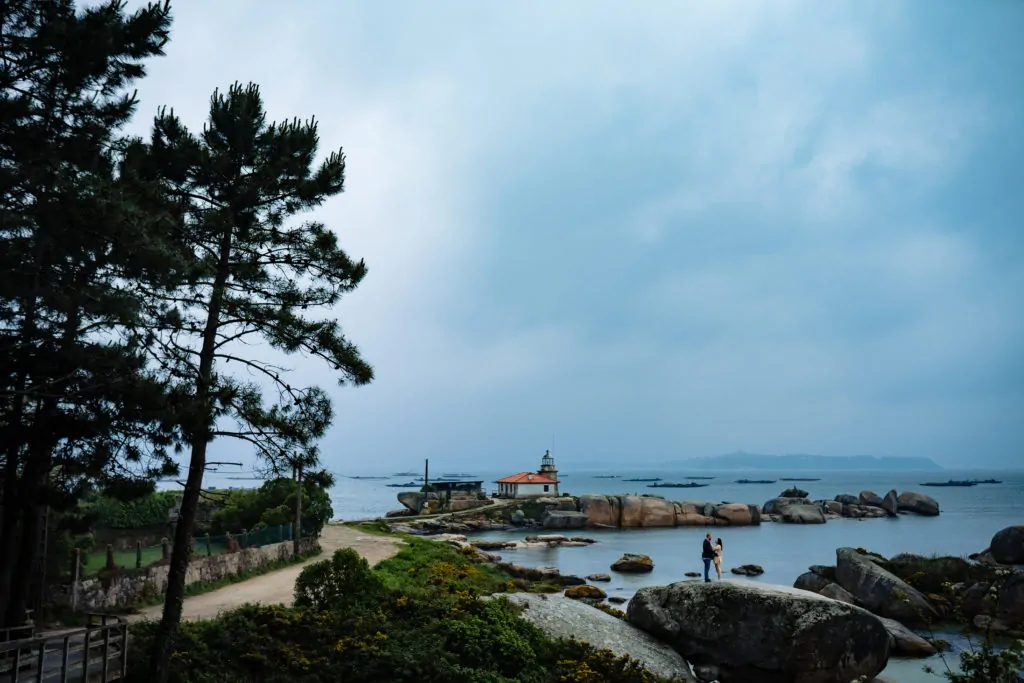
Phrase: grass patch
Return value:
(608, 609)
(423, 565)
(377, 527)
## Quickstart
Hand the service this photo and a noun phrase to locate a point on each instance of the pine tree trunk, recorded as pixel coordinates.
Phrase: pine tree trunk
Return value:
(35, 481)
(10, 539)
(175, 595)
(298, 511)
(17, 606)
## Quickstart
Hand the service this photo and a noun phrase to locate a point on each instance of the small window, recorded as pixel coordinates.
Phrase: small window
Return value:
(546, 488)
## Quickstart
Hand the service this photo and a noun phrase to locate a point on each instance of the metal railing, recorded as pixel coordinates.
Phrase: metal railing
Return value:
(95, 654)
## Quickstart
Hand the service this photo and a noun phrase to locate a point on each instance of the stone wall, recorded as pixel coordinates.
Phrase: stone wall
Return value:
(126, 588)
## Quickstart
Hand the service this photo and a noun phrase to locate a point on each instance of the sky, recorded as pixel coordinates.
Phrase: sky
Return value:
(648, 232)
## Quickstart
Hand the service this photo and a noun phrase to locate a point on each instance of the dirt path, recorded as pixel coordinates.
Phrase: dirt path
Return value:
(277, 587)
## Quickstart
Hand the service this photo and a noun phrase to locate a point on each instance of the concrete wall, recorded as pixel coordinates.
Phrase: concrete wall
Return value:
(534, 490)
(129, 587)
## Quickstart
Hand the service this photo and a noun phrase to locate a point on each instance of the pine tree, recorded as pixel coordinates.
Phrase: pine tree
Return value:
(77, 404)
(258, 277)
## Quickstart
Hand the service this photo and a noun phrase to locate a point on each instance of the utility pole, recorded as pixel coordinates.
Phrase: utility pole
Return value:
(298, 510)
(426, 473)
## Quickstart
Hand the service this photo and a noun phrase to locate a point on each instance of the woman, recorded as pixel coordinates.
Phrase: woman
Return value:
(718, 557)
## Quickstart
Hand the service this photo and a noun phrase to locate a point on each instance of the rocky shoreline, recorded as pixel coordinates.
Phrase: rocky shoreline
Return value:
(840, 622)
(591, 511)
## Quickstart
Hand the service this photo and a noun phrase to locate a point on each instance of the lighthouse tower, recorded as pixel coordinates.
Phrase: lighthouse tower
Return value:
(548, 469)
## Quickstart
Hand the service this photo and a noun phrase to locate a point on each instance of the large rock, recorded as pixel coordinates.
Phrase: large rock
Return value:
(803, 514)
(870, 499)
(775, 506)
(891, 503)
(862, 511)
(905, 642)
(601, 511)
(736, 514)
(695, 514)
(812, 582)
(1007, 545)
(564, 519)
(837, 592)
(585, 592)
(412, 500)
(911, 501)
(976, 599)
(1010, 604)
(847, 499)
(833, 506)
(567, 503)
(561, 617)
(632, 515)
(764, 634)
(880, 591)
(657, 512)
(631, 563)
(748, 570)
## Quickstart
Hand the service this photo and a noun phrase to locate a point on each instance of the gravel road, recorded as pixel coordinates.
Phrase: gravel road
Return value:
(277, 587)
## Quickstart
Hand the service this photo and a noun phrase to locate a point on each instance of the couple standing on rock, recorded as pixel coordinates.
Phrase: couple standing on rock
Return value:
(712, 553)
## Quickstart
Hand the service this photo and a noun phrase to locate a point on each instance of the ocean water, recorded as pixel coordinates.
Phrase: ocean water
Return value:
(969, 517)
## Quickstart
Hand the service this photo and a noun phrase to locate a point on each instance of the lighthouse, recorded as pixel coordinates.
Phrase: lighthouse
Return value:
(548, 469)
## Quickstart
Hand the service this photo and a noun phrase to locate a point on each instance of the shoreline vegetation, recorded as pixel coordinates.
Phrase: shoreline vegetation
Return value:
(417, 616)
(446, 609)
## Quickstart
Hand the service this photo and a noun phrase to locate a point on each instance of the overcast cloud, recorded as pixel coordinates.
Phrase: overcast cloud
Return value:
(656, 230)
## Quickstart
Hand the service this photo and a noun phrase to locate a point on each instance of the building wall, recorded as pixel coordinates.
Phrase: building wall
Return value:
(535, 490)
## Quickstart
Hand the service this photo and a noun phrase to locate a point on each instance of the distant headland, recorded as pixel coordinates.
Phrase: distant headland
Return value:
(754, 461)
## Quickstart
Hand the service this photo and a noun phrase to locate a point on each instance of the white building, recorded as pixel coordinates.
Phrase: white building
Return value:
(531, 484)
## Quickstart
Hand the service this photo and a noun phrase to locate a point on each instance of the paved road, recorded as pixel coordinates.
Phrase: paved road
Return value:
(277, 587)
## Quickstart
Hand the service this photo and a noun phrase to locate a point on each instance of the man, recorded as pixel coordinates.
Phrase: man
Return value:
(708, 555)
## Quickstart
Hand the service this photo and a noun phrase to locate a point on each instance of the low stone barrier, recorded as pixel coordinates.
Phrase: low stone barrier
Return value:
(122, 588)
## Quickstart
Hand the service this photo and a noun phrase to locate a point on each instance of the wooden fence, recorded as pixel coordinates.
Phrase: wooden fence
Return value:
(95, 654)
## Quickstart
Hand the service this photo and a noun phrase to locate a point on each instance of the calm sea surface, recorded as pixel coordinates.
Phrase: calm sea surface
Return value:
(969, 518)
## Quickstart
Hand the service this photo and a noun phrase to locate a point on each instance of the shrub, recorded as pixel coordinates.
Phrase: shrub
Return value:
(988, 664)
(340, 583)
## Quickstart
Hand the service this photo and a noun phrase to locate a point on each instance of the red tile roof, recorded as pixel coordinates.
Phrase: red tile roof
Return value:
(526, 478)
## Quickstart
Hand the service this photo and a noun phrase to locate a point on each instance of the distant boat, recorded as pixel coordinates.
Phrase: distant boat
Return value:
(798, 479)
(405, 474)
(457, 475)
(406, 485)
(368, 478)
(700, 477)
(755, 481)
(607, 476)
(676, 485)
(951, 482)
(642, 479)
